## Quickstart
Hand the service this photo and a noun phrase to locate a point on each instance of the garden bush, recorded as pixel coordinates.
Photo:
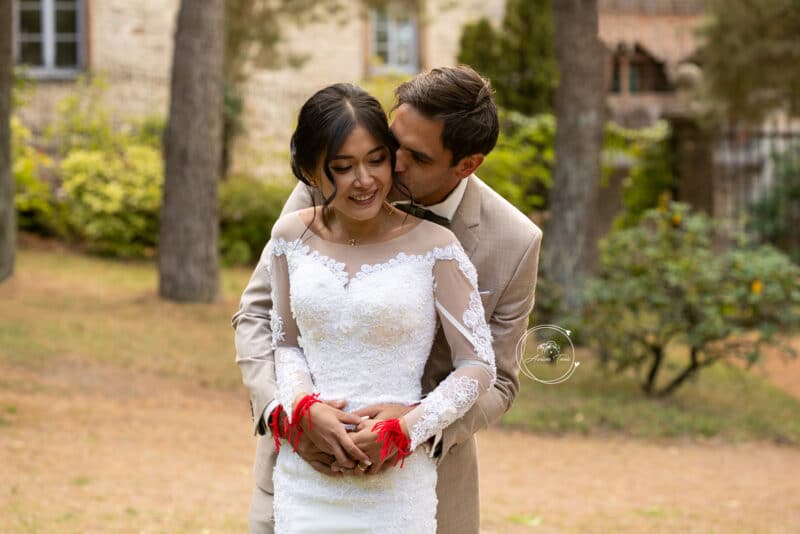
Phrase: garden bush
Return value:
(520, 167)
(113, 198)
(775, 218)
(248, 209)
(648, 157)
(34, 200)
(665, 293)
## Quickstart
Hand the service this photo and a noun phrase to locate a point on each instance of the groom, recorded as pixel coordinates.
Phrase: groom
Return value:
(446, 123)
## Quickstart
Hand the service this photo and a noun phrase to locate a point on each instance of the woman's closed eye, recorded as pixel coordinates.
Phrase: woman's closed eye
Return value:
(341, 169)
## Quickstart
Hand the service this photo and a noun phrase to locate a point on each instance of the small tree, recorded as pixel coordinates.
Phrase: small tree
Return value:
(662, 286)
(519, 58)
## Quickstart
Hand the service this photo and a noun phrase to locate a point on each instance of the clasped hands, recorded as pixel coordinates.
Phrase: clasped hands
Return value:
(332, 450)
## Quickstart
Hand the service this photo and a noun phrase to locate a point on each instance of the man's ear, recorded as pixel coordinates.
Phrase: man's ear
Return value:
(468, 164)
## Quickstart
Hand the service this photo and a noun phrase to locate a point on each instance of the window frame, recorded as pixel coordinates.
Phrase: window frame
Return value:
(50, 39)
(393, 30)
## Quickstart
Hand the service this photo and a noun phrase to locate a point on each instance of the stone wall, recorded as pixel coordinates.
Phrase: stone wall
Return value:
(130, 45)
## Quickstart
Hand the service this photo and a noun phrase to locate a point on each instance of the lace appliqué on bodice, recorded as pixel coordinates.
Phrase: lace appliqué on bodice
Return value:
(366, 337)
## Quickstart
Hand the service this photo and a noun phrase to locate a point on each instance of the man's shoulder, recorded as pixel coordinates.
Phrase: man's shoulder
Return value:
(501, 219)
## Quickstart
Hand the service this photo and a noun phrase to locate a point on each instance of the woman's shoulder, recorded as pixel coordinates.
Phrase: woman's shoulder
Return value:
(290, 226)
(437, 235)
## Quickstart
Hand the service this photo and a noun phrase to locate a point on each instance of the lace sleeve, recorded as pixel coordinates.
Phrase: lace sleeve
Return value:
(291, 369)
(461, 313)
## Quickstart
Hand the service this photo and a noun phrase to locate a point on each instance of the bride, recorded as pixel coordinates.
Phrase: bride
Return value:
(358, 287)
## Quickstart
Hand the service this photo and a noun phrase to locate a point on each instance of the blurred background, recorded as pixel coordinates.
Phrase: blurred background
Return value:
(656, 142)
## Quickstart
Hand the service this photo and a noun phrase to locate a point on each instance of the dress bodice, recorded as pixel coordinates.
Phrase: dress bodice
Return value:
(358, 323)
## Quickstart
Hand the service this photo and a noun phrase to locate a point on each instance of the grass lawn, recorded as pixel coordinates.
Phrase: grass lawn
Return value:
(61, 304)
(723, 402)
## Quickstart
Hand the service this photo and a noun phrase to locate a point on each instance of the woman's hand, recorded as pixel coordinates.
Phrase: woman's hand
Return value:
(367, 440)
(327, 432)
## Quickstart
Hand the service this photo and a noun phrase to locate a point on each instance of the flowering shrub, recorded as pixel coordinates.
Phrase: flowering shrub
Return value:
(664, 284)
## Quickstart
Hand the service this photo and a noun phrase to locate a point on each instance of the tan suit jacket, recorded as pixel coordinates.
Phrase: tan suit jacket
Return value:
(503, 244)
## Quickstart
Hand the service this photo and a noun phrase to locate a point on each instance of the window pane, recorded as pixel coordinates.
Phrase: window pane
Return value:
(30, 21)
(30, 53)
(66, 21)
(66, 54)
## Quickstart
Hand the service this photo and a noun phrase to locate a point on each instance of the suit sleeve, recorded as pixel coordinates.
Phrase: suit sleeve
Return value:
(251, 323)
(507, 324)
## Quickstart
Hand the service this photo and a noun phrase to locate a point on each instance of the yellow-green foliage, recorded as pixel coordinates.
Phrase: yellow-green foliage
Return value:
(33, 197)
(83, 122)
(113, 198)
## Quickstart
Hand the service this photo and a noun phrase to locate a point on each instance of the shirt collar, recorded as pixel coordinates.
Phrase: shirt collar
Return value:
(447, 207)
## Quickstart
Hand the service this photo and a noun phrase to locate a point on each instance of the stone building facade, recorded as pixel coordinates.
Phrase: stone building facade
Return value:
(130, 45)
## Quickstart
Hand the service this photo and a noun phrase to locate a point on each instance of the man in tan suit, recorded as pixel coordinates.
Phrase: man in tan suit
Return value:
(445, 122)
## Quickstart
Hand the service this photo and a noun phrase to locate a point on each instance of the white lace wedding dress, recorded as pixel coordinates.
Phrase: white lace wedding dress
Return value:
(357, 323)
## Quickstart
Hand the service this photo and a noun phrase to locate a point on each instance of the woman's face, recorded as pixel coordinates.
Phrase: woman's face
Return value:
(362, 171)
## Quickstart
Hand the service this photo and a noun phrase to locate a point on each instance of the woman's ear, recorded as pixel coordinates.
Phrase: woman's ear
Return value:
(468, 164)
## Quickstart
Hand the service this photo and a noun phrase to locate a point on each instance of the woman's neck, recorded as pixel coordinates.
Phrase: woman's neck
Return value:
(347, 230)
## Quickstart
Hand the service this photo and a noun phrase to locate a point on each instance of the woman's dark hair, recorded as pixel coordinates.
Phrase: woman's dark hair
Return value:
(327, 119)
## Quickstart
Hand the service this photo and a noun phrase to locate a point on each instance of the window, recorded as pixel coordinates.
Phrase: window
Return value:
(393, 27)
(48, 37)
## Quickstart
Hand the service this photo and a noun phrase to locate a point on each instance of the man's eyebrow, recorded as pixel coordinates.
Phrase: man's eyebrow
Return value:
(347, 156)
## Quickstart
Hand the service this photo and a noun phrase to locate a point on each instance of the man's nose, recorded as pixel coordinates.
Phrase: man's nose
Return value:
(400, 161)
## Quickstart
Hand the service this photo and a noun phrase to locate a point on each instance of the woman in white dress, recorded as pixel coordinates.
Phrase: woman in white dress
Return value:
(359, 288)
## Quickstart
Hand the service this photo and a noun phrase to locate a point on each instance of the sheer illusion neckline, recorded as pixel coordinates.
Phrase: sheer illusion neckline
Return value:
(365, 245)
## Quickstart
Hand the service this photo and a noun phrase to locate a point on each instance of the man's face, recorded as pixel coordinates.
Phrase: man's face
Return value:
(423, 164)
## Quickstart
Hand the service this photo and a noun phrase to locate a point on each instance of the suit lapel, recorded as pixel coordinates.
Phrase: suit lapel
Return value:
(467, 219)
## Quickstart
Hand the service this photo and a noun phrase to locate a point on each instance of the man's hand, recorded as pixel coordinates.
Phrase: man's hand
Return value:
(381, 412)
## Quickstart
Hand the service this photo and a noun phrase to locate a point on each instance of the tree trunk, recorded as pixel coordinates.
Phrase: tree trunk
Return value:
(8, 224)
(579, 103)
(188, 259)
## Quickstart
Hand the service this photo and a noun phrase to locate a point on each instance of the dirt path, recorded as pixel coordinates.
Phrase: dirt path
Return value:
(88, 448)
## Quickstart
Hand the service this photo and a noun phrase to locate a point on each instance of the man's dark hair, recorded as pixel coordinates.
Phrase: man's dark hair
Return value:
(462, 99)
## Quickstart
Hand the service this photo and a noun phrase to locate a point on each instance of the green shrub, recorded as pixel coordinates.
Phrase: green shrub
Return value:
(146, 131)
(775, 218)
(519, 57)
(248, 209)
(662, 286)
(113, 198)
(37, 209)
(82, 121)
(647, 154)
(520, 167)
